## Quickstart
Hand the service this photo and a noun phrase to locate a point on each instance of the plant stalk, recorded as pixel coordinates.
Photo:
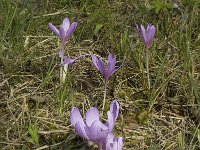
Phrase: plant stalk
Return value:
(100, 146)
(147, 68)
(104, 97)
(63, 69)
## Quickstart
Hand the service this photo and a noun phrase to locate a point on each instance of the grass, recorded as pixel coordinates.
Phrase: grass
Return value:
(34, 108)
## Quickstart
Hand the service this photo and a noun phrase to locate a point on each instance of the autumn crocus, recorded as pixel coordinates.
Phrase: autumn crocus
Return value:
(64, 31)
(147, 36)
(112, 143)
(106, 69)
(67, 61)
(92, 128)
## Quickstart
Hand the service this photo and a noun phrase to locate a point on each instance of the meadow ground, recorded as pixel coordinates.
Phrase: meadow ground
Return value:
(34, 108)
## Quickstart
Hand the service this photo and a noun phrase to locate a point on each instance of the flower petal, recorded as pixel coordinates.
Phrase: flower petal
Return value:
(114, 109)
(75, 116)
(95, 61)
(62, 34)
(81, 130)
(143, 34)
(98, 132)
(54, 29)
(110, 121)
(71, 30)
(109, 142)
(102, 68)
(111, 64)
(119, 144)
(150, 33)
(92, 115)
(66, 24)
(112, 143)
(99, 64)
(68, 60)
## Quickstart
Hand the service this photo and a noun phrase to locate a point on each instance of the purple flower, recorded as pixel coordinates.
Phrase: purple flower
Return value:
(66, 60)
(112, 115)
(105, 70)
(146, 35)
(64, 31)
(93, 129)
(112, 143)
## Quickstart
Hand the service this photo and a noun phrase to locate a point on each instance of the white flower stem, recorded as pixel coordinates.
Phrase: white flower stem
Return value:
(100, 146)
(147, 67)
(104, 97)
(63, 69)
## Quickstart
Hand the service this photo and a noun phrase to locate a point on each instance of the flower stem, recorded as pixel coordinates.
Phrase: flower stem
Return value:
(147, 67)
(100, 146)
(104, 97)
(61, 69)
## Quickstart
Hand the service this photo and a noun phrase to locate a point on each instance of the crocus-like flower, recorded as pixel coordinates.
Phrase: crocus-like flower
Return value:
(66, 60)
(93, 129)
(64, 31)
(146, 35)
(112, 143)
(105, 70)
(112, 115)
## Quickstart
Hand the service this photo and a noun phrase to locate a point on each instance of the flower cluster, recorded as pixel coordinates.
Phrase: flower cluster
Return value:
(94, 130)
(91, 128)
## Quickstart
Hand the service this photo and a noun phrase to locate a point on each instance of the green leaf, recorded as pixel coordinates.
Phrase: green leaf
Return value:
(154, 147)
(144, 117)
(194, 86)
(32, 130)
(98, 28)
(157, 5)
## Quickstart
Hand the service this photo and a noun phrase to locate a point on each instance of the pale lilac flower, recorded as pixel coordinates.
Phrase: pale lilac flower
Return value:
(112, 143)
(92, 128)
(146, 35)
(112, 115)
(105, 69)
(66, 60)
(64, 31)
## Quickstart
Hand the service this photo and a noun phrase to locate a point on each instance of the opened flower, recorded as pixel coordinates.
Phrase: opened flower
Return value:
(92, 128)
(112, 143)
(64, 31)
(105, 69)
(146, 35)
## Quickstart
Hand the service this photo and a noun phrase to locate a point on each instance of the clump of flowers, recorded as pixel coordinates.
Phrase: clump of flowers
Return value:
(147, 36)
(91, 128)
(94, 130)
